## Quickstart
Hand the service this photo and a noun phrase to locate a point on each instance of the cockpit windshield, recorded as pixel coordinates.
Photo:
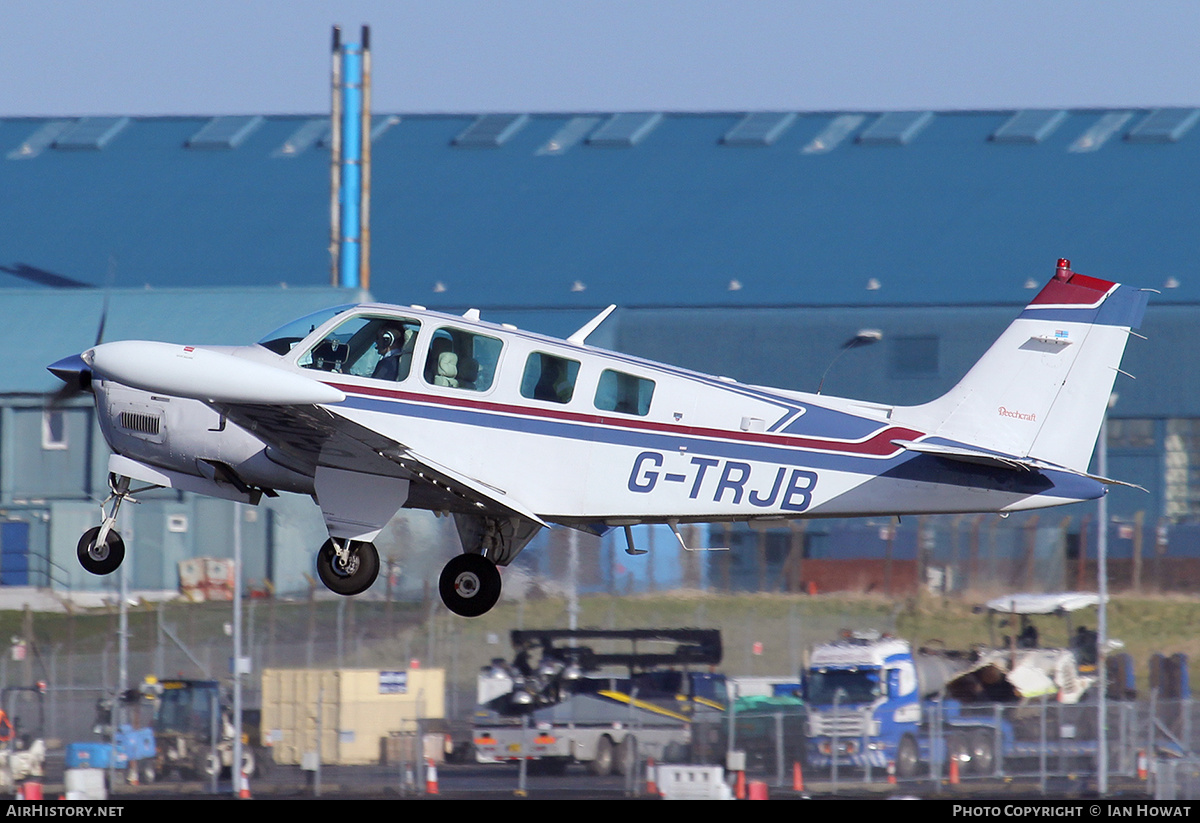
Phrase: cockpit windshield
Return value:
(283, 338)
(850, 685)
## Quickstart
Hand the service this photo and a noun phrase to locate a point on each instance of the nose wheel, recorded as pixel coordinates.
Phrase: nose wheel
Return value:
(347, 567)
(470, 585)
(100, 556)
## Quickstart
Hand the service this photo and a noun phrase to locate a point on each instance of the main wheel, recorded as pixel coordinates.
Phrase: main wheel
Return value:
(602, 764)
(355, 575)
(983, 752)
(627, 756)
(470, 585)
(907, 758)
(100, 559)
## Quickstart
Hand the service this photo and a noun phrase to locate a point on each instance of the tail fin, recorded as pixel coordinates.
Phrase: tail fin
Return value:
(1041, 390)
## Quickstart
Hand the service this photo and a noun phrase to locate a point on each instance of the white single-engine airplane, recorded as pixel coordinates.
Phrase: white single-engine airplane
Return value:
(373, 408)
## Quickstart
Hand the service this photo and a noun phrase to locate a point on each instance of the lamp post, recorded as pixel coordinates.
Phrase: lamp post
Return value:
(1102, 608)
(865, 337)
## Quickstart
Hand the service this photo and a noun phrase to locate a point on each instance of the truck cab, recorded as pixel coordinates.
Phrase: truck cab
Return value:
(863, 697)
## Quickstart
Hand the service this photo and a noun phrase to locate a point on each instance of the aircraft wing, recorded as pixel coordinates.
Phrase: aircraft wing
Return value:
(303, 437)
(1000, 461)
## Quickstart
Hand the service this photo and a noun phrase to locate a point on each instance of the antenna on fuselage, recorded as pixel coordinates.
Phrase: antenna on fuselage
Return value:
(580, 336)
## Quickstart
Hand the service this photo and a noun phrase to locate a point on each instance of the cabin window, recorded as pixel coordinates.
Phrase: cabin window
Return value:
(624, 393)
(366, 346)
(549, 378)
(460, 359)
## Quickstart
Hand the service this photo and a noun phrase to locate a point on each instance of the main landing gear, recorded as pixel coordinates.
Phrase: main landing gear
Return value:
(470, 585)
(347, 567)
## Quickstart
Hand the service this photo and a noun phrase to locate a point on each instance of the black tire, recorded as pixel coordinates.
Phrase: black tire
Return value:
(627, 755)
(956, 750)
(356, 576)
(602, 764)
(908, 758)
(100, 560)
(470, 585)
(982, 748)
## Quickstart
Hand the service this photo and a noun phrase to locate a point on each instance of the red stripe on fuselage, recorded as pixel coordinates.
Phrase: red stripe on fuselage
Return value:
(877, 445)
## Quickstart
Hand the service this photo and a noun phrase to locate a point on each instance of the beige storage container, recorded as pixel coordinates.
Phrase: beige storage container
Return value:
(356, 710)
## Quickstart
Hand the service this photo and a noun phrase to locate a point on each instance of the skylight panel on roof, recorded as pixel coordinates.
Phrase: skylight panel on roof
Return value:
(491, 130)
(759, 129)
(1029, 126)
(90, 133)
(379, 124)
(42, 138)
(1101, 131)
(1164, 126)
(625, 129)
(895, 128)
(303, 138)
(575, 130)
(225, 132)
(842, 127)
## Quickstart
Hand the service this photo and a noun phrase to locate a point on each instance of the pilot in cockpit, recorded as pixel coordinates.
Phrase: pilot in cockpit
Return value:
(395, 358)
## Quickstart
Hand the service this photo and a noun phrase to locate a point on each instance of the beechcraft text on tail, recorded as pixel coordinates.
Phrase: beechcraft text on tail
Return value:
(375, 408)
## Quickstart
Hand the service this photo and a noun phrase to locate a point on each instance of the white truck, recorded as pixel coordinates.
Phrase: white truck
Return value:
(558, 702)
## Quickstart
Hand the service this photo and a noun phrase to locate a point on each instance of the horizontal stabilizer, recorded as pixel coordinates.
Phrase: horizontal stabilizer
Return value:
(1001, 461)
(967, 455)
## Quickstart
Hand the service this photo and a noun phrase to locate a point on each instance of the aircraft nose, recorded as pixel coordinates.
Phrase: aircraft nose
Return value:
(73, 371)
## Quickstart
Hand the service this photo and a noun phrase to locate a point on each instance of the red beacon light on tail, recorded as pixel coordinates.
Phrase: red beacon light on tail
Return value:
(1064, 270)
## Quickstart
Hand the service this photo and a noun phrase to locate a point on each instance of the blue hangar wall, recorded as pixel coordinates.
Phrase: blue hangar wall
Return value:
(752, 245)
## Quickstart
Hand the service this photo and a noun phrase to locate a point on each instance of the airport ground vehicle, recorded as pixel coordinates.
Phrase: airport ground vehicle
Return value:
(554, 705)
(875, 701)
(188, 715)
(22, 747)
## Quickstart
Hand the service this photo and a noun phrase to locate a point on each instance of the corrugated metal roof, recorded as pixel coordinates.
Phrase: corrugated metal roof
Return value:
(812, 217)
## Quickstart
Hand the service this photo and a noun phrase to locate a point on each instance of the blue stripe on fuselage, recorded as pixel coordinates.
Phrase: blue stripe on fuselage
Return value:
(900, 465)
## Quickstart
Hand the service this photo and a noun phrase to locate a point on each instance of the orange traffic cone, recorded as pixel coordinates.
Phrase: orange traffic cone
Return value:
(953, 770)
(797, 777)
(651, 782)
(892, 772)
(244, 786)
(431, 780)
(1142, 765)
(740, 786)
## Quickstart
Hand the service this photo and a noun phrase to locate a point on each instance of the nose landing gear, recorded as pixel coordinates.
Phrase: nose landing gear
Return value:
(101, 549)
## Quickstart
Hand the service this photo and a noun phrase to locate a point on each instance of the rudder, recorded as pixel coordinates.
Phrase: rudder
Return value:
(1041, 390)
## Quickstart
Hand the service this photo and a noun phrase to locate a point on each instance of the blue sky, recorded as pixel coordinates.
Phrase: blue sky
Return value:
(154, 57)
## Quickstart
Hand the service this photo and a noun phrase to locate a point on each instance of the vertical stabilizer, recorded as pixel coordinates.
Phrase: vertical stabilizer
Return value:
(1041, 390)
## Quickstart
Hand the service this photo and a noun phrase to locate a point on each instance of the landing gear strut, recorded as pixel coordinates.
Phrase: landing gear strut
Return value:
(470, 585)
(101, 549)
(347, 567)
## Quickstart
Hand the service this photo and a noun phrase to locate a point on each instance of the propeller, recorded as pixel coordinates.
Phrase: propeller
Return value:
(72, 370)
